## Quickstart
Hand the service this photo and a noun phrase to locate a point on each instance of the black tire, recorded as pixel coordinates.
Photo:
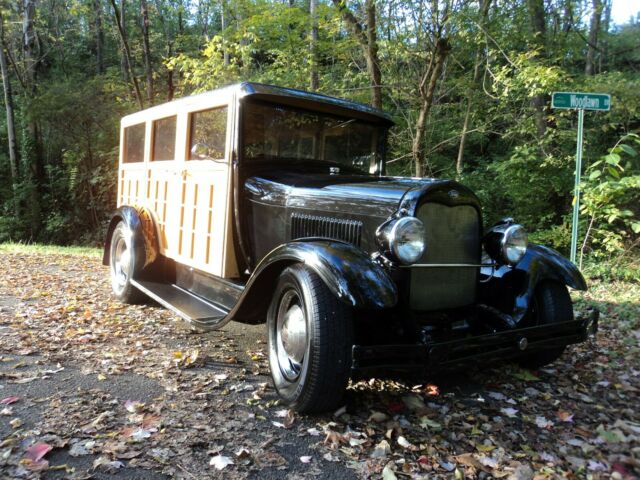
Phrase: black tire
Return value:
(122, 266)
(316, 382)
(551, 303)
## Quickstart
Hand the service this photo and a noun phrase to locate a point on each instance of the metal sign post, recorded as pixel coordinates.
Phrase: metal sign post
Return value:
(580, 102)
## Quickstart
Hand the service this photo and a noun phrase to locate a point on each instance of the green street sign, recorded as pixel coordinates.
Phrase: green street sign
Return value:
(581, 101)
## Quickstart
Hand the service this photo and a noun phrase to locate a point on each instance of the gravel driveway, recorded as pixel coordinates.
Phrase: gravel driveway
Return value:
(94, 389)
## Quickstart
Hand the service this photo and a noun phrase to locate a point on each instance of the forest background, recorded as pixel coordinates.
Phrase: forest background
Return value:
(468, 84)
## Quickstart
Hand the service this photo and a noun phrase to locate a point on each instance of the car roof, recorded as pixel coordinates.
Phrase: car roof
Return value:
(287, 96)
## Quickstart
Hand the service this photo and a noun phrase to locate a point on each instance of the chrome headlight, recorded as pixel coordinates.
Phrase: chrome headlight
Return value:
(514, 244)
(506, 242)
(406, 239)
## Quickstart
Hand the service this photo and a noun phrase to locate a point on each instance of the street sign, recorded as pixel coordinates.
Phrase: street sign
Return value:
(581, 101)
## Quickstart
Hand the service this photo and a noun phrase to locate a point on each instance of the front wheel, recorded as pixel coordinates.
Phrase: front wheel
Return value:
(310, 334)
(551, 304)
(122, 265)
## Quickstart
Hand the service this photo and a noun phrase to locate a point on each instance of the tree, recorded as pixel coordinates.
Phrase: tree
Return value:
(313, 45)
(592, 44)
(146, 49)
(484, 11)
(539, 33)
(427, 89)
(366, 36)
(11, 129)
(127, 52)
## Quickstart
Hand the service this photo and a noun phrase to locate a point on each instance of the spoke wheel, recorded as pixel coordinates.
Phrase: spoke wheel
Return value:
(310, 337)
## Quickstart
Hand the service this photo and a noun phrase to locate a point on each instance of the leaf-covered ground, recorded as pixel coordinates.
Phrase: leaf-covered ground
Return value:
(90, 388)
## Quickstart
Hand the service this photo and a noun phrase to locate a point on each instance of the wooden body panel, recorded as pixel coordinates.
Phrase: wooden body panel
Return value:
(191, 201)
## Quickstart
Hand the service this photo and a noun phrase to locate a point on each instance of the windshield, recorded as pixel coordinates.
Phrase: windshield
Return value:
(272, 132)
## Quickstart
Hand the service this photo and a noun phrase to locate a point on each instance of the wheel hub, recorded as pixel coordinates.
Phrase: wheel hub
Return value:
(121, 263)
(291, 335)
(294, 333)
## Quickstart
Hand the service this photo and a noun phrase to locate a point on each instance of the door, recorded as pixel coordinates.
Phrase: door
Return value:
(204, 217)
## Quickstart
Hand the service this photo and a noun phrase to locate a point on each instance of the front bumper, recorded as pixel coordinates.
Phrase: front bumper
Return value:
(420, 359)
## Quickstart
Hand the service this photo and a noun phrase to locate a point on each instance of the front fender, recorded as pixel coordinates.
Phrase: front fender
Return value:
(347, 271)
(143, 234)
(540, 263)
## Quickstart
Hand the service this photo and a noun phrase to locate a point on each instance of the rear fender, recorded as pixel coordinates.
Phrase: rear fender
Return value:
(144, 238)
(539, 264)
(348, 272)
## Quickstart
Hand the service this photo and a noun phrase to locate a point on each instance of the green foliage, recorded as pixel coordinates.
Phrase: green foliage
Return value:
(611, 199)
(67, 121)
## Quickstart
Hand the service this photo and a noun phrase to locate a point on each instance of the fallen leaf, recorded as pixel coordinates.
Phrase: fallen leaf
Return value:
(9, 400)
(542, 422)
(105, 464)
(564, 416)
(509, 412)
(334, 439)
(414, 403)
(381, 450)
(485, 448)
(133, 406)
(388, 473)
(404, 443)
(220, 462)
(38, 450)
(378, 417)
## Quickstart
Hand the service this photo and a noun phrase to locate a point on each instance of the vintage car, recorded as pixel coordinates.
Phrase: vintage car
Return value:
(263, 204)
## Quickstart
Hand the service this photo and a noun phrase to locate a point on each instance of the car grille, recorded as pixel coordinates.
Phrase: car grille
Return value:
(313, 226)
(452, 236)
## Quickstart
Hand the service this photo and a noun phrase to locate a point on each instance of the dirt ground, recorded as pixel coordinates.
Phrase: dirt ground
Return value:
(90, 388)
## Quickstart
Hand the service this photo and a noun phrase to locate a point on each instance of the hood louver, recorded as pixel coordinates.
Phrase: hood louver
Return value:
(304, 226)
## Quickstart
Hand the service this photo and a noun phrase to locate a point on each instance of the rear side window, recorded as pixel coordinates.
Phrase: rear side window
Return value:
(134, 144)
(164, 139)
(208, 134)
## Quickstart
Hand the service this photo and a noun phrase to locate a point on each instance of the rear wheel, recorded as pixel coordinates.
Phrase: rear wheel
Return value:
(310, 335)
(551, 304)
(122, 265)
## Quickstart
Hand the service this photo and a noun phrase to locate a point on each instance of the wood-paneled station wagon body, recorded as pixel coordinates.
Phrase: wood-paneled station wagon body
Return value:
(256, 203)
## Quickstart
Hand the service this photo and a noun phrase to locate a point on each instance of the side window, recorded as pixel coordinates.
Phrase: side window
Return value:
(164, 139)
(208, 134)
(134, 144)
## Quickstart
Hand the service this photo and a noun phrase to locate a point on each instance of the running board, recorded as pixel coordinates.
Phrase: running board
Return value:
(194, 309)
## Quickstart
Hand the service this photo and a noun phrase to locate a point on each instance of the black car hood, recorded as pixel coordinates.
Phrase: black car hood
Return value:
(349, 194)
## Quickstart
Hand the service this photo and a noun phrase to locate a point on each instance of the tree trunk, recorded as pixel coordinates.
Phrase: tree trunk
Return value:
(170, 86)
(127, 54)
(97, 7)
(373, 65)
(124, 66)
(484, 12)
(367, 38)
(32, 157)
(11, 129)
(144, 13)
(313, 45)
(539, 30)
(592, 46)
(427, 90)
(223, 25)
(604, 42)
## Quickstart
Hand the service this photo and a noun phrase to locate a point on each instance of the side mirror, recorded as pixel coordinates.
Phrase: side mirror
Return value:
(202, 151)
